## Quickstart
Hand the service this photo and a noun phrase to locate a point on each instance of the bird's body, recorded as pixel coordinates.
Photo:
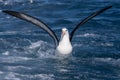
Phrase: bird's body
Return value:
(64, 46)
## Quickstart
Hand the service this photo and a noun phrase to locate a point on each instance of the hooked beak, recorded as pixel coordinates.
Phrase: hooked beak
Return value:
(63, 33)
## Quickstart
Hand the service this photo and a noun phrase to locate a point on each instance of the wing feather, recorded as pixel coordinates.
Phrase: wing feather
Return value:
(87, 19)
(34, 21)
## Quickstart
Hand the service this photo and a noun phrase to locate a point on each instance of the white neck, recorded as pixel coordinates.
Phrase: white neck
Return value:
(65, 39)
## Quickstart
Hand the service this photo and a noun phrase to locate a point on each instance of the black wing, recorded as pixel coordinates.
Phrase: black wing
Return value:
(34, 21)
(87, 19)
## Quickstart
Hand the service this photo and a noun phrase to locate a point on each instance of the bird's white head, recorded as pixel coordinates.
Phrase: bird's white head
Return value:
(64, 33)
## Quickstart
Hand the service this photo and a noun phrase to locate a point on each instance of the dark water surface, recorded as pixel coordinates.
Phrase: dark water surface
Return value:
(27, 52)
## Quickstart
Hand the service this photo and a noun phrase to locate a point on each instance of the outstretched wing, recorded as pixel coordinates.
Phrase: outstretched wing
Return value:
(87, 19)
(34, 21)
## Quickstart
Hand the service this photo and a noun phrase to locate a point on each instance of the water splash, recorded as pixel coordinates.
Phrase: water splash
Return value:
(87, 35)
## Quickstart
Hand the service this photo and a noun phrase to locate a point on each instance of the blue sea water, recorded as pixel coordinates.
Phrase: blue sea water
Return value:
(27, 52)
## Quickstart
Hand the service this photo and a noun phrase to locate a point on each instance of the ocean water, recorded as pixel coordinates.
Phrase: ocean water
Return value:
(27, 52)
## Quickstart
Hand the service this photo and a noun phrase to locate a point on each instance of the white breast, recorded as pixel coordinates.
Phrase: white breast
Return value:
(64, 48)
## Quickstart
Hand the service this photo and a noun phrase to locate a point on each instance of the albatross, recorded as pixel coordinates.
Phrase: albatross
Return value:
(63, 46)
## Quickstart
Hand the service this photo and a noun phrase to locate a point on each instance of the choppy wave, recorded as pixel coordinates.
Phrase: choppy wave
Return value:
(13, 59)
(15, 76)
(115, 62)
(9, 33)
(28, 53)
(11, 2)
(88, 35)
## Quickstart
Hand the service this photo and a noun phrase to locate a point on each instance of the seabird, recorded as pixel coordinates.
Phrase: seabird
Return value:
(63, 46)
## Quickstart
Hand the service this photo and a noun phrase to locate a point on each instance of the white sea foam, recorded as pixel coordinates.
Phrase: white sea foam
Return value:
(45, 76)
(9, 32)
(107, 44)
(12, 68)
(9, 2)
(77, 45)
(13, 59)
(39, 76)
(36, 44)
(63, 70)
(31, 1)
(43, 49)
(11, 76)
(1, 72)
(6, 53)
(87, 35)
(46, 54)
(115, 62)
